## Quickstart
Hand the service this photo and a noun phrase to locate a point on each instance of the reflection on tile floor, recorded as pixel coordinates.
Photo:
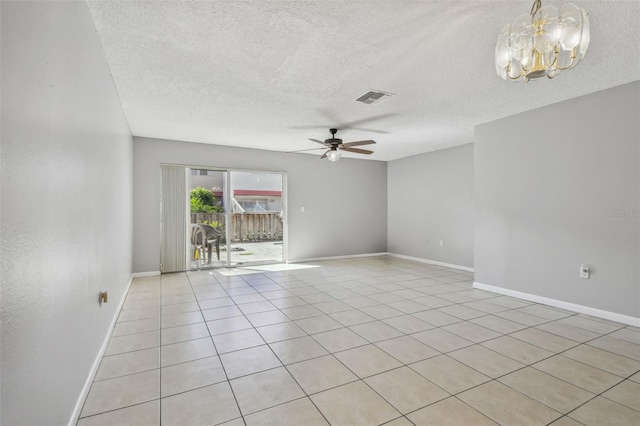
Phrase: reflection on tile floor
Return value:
(363, 341)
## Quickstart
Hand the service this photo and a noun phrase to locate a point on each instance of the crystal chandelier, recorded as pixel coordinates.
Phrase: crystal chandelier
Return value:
(544, 43)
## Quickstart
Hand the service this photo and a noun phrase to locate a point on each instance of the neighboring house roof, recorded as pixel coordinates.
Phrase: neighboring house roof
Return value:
(251, 192)
(257, 192)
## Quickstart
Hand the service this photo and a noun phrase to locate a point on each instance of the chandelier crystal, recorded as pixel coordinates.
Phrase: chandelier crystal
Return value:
(543, 43)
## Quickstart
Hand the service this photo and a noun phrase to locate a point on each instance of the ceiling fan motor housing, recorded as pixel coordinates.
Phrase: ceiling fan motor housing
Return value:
(333, 140)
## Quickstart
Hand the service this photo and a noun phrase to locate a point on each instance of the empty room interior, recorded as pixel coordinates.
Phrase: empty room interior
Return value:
(320, 213)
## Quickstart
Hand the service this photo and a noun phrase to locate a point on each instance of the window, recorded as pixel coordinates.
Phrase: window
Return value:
(254, 205)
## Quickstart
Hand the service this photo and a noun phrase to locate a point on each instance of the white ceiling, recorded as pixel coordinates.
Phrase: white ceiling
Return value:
(269, 74)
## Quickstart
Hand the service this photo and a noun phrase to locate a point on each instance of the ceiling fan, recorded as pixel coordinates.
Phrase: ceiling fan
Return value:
(335, 144)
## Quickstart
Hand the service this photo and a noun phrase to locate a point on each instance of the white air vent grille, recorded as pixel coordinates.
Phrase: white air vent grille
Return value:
(373, 97)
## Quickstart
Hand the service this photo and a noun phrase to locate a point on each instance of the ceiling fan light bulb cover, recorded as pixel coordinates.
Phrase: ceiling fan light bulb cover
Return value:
(333, 156)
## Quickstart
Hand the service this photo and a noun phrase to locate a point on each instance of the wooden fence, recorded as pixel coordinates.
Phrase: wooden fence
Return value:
(245, 227)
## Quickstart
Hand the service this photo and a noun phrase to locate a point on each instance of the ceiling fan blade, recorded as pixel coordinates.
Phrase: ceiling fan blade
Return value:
(330, 125)
(329, 115)
(368, 120)
(325, 154)
(368, 130)
(302, 150)
(310, 126)
(358, 143)
(317, 141)
(356, 150)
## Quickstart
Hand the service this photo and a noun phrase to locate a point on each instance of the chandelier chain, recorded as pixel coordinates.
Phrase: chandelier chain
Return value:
(535, 8)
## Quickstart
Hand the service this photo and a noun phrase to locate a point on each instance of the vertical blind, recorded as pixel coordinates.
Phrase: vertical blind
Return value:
(173, 255)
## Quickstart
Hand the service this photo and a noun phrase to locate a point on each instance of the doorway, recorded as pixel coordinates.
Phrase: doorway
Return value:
(236, 218)
(257, 211)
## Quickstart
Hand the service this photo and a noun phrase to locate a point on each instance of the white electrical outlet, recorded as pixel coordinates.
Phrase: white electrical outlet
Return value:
(441, 243)
(302, 209)
(585, 271)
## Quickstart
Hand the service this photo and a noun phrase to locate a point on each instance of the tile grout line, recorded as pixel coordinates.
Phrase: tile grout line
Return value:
(306, 395)
(319, 290)
(462, 320)
(94, 381)
(358, 378)
(228, 381)
(402, 415)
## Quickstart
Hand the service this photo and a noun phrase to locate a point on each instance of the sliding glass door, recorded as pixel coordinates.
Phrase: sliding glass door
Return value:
(257, 212)
(214, 218)
(207, 218)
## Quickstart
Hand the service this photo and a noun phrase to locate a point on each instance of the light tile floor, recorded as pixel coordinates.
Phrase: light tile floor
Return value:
(366, 341)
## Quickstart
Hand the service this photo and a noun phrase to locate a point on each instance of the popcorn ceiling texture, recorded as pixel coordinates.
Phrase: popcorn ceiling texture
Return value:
(270, 74)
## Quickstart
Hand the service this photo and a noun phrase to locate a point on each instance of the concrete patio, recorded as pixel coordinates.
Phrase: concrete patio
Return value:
(241, 253)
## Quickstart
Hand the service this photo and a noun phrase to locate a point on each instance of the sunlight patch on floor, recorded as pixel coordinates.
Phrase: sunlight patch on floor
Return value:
(281, 267)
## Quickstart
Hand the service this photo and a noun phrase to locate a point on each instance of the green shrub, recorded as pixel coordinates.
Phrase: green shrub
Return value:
(204, 201)
(204, 195)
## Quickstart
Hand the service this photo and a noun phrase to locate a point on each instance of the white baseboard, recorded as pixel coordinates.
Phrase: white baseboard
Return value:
(96, 363)
(432, 262)
(145, 274)
(350, 256)
(599, 313)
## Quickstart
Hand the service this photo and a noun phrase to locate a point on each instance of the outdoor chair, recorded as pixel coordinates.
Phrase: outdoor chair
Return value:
(205, 237)
(213, 236)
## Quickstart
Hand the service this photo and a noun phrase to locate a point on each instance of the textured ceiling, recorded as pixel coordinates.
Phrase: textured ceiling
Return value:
(270, 74)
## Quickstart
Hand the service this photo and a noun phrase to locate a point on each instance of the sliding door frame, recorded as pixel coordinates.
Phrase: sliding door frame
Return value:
(285, 227)
(228, 213)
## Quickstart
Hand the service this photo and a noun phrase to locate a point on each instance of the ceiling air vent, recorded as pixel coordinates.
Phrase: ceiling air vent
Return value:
(373, 97)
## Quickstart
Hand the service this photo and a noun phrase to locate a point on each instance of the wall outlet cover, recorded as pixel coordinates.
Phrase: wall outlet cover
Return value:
(585, 271)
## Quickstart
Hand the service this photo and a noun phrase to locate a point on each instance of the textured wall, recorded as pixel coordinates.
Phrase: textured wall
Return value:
(431, 200)
(345, 202)
(557, 187)
(66, 207)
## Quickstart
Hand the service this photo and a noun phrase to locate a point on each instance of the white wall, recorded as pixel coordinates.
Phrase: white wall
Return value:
(431, 200)
(345, 202)
(66, 207)
(545, 181)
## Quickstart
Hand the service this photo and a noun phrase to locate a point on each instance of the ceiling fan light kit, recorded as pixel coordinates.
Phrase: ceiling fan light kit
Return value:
(335, 145)
(543, 43)
(333, 155)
